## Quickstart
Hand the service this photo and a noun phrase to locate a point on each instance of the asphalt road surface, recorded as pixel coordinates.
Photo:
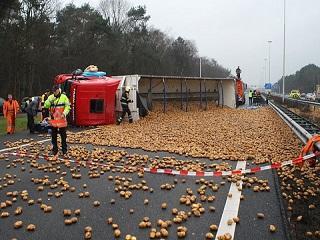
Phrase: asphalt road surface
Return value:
(52, 226)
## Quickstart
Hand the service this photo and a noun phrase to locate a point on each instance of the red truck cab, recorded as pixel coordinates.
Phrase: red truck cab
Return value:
(92, 99)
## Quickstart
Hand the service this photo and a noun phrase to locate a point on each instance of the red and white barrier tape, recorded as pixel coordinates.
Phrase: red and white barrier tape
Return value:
(233, 172)
(296, 161)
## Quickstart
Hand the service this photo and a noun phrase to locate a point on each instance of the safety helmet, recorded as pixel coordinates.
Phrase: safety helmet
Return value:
(56, 87)
(127, 89)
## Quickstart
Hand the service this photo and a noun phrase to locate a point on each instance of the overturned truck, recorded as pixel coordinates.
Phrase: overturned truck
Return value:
(96, 100)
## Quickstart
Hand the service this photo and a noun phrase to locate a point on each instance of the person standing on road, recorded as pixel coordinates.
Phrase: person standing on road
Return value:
(10, 110)
(268, 98)
(254, 97)
(250, 97)
(32, 111)
(59, 107)
(125, 106)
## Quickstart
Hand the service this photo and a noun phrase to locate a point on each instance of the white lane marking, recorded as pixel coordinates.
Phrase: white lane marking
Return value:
(24, 145)
(231, 207)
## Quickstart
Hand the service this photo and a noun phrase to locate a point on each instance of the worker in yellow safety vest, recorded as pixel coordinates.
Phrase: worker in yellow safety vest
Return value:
(59, 107)
(250, 97)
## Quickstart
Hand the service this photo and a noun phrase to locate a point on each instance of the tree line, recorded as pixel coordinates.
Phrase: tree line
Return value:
(39, 39)
(304, 80)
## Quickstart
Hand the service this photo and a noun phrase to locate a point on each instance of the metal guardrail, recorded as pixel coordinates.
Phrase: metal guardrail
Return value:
(313, 103)
(303, 101)
(296, 124)
(300, 131)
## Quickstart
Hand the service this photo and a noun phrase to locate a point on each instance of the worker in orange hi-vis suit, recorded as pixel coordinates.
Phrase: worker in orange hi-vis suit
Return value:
(10, 110)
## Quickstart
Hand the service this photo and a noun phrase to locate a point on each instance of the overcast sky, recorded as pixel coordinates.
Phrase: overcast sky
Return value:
(235, 32)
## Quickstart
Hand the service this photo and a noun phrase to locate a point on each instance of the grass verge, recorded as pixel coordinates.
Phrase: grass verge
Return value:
(21, 123)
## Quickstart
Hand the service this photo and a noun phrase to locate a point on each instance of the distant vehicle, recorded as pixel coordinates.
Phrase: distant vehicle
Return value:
(1, 105)
(311, 96)
(295, 94)
(303, 96)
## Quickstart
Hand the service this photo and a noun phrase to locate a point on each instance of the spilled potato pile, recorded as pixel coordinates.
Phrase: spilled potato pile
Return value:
(300, 191)
(57, 180)
(165, 209)
(219, 133)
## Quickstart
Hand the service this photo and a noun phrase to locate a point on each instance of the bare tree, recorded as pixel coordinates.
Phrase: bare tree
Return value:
(39, 8)
(115, 11)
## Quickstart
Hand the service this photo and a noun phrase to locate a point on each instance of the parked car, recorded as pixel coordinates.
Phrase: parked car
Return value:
(311, 96)
(1, 105)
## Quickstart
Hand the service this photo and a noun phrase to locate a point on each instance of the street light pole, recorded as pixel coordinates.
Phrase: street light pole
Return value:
(269, 57)
(265, 70)
(200, 73)
(284, 48)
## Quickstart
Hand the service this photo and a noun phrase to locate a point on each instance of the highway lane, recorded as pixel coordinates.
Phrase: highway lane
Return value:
(51, 225)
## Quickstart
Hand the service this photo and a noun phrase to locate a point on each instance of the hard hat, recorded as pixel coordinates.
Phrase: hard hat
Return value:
(55, 87)
(127, 89)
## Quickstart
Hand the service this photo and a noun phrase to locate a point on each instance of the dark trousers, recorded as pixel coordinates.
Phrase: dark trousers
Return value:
(250, 100)
(30, 123)
(45, 113)
(54, 138)
(125, 110)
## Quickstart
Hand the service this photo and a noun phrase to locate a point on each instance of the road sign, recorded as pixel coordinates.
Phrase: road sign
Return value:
(267, 85)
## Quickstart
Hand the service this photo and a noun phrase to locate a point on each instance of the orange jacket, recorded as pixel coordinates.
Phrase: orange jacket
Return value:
(6, 106)
(309, 147)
